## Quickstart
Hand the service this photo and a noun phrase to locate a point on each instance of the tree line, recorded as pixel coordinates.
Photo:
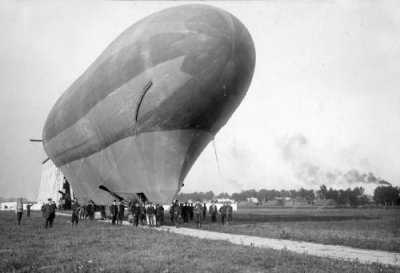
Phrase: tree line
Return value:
(383, 195)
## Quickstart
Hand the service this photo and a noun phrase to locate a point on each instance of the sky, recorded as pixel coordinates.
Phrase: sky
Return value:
(323, 106)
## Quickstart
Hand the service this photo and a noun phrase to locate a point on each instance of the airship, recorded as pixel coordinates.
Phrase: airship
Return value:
(133, 124)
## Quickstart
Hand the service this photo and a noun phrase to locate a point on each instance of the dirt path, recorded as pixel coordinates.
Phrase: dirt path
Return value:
(320, 250)
(331, 251)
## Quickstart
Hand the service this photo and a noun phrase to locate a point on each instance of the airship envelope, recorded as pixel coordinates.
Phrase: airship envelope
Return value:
(137, 119)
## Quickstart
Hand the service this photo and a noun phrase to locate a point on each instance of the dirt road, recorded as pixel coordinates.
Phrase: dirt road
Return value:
(320, 250)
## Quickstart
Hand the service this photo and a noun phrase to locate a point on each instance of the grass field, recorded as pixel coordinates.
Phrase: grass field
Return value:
(377, 229)
(99, 247)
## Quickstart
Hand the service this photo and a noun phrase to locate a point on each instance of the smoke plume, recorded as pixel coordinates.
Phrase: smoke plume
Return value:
(298, 152)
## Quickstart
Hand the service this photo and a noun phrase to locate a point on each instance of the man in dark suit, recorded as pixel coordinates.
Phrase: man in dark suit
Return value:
(177, 212)
(75, 213)
(46, 213)
(136, 214)
(204, 211)
(53, 208)
(213, 212)
(114, 212)
(121, 213)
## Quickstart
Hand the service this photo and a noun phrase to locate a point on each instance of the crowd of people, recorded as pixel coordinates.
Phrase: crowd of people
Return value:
(144, 214)
(189, 212)
(150, 215)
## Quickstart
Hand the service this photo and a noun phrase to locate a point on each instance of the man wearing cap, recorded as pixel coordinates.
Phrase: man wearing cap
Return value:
(19, 209)
(114, 212)
(46, 212)
(213, 212)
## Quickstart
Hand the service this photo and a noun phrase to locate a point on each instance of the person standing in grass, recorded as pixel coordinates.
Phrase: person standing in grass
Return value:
(142, 214)
(229, 210)
(171, 212)
(223, 211)
(121, 212)
(191, 212)
(28, 209)
(136, 214)
(204, 211)
(176, 209)
(198, 210)
(213, 212)
(114, 212)
(159, 214)
(150, 215)
(162, 215)
(75, 213)
(46, 212)
(53, 208)
(19, 209)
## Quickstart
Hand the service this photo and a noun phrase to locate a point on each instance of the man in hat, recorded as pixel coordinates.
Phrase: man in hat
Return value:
(150, 215)
(53, 208)
(114, 212)
(136, 214)
(46, 212)
(213, 212)
(121, 212)
(223, 211)
(185, 212)
(176, 212)
(171, 212)
(191, 212)
(198, 210)
(204, 211)
(229, 210)
(159, 213)
(75, 213)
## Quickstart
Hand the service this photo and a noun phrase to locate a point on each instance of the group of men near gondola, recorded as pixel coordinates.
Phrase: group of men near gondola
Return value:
(146, 214)
(150, 215)
(117, 211)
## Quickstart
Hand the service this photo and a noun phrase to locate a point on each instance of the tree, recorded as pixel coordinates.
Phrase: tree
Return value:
(387, 195)
(223, 195)
(323, 191)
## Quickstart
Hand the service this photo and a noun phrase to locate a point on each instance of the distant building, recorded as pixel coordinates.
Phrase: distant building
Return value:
(252, 199)
(274, 203)
(297, 202)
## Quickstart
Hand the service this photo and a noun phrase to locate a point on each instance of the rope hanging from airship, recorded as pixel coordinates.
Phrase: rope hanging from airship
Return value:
(219, 169)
